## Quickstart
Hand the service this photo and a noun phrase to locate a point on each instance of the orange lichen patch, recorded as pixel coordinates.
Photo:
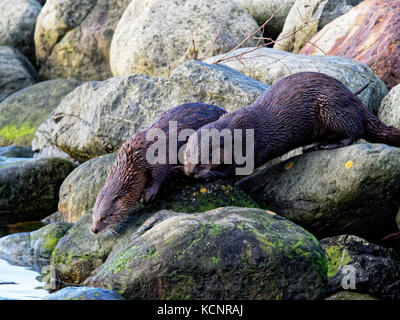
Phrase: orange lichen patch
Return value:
(271, 212)
(289, 165)
(348, 164)
(203, 190)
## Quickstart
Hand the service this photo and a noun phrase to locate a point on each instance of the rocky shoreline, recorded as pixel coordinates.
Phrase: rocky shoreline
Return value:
(88, 75)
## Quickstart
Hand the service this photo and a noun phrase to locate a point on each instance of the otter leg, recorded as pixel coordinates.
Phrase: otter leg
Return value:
(342, 143)
(158, 176)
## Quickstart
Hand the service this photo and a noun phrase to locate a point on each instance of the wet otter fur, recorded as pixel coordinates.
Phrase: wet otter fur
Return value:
(298, 110)
(132, 175)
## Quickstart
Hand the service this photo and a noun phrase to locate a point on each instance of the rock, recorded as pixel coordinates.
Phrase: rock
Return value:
(369, 33)
(268, 65)
(16, 152)
(389, 112)
(33, 246)
(72, 38)
(349, 295)
(83, 293)
(29, 190)
(376, 268)
(80, 252)
(79, 190)
(16, 72)
(306, 18)
(97, 117)
(17, 25)
(22, 112)
(185, 29)
(263, 10)
(227, 253)
(349, 190)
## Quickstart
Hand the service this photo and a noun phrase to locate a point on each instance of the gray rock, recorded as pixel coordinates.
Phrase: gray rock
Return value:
(84, 293)
(73, 38)
(349, 295)
(22, 112)
(389, 112)
(308, 17)
(376, 267)
(268, 65)
(35, 245)
(17, 25)
(185, 29)
(16, 72)
(16, 152)
(97, 117)
(29, 190)
(80, 252)
(79, 190)
(227, 253)
(350, 190)
(262, 10)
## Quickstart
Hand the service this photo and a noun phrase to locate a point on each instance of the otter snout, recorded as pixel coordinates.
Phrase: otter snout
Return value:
(98, 226)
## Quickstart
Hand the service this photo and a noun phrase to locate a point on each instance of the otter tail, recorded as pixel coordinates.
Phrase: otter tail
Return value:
(377, 131)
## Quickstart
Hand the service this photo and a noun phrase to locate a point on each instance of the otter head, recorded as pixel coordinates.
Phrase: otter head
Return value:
(204, 152)
(121, 191)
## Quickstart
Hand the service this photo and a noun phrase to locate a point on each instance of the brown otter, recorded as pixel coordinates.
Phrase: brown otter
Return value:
(132, 175)
(298, 110)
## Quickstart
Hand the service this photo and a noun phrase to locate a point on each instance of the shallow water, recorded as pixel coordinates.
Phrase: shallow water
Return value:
(20, 282)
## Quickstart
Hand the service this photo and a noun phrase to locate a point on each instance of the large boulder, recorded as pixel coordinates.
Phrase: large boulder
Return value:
(227, 253)
(184, 29)
(389, 112)
(33, 246)
(308, 17)
(375, 268)
(268, 65)
(17, 25)
(83, 293)
(22, 112)
(80, 252)
(275, 10)
(349, 190)
(369, 33)
(97, 117)
(16, 72)
(29, 190)
(72, 38)
(79, 190)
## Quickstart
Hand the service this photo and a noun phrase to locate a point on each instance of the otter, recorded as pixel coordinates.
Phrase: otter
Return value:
(298, 110)
(132, 175)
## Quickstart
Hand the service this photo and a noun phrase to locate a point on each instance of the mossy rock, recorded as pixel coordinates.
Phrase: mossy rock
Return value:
(349, 190)
(29, 189)
(22, 112)
(33, 246)
(227, 253)
(80, 252)
(376, 268)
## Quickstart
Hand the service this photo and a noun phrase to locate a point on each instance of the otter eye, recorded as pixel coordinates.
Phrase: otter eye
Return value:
(116, 197)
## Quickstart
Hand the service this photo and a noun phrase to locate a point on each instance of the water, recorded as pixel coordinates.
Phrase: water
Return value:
(19, 282)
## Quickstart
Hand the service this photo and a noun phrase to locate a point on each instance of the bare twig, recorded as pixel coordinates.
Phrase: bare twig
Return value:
(255, 32)
(213, 43)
